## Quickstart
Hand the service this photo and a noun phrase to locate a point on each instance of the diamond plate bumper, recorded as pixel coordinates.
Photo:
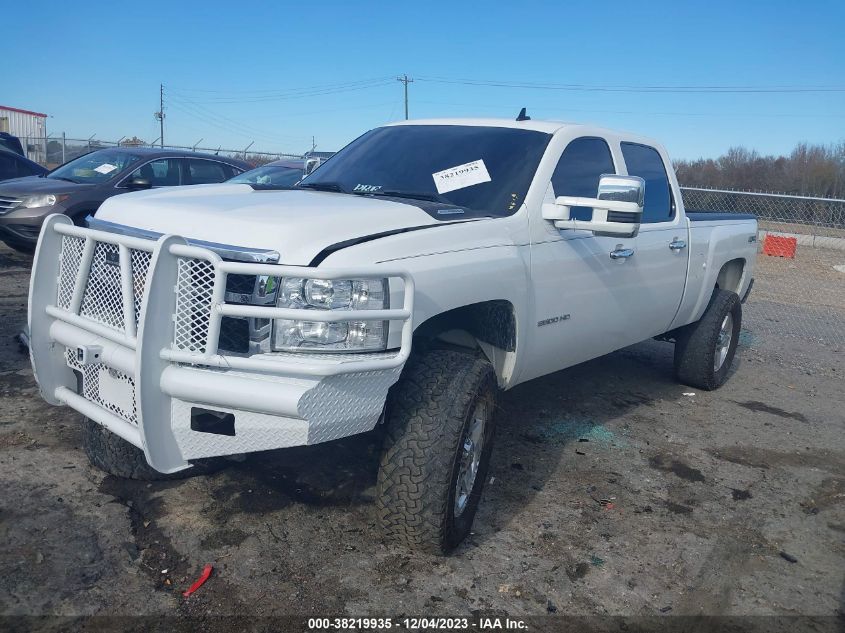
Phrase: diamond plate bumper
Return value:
(125, 330)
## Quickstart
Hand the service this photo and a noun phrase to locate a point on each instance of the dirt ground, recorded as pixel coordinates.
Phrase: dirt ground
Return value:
(614, 490)
(802, 297)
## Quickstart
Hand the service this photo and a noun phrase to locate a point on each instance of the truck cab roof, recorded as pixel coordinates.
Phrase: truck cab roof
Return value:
(549, 127)
(536, 125)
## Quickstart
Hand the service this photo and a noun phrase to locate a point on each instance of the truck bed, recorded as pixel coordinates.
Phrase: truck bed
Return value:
(705, 216)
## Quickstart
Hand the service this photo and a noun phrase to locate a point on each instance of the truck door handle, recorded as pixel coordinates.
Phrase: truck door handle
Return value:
(677, 245)
(621, 253)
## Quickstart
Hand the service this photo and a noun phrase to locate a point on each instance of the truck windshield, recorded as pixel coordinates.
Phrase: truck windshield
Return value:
(484, 169)
(95, 167)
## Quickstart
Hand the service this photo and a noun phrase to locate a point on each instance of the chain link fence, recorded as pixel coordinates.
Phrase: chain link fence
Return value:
(52, 151)
(801, 296)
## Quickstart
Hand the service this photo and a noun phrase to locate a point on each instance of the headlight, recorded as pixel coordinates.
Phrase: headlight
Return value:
(43, 200)
(326, 294)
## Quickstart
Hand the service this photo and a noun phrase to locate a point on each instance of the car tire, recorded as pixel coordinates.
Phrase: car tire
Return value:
(704, 350)
(440, 426)
(116, 456)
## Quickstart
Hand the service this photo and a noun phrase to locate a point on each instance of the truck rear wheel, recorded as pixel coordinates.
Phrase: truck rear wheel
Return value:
(704, 350)
(117, 457)
(438, 442)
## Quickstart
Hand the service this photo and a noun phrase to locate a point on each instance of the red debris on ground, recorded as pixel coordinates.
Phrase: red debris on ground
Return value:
(205, 575)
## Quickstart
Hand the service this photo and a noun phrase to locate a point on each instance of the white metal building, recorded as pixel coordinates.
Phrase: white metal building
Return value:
(30, 127)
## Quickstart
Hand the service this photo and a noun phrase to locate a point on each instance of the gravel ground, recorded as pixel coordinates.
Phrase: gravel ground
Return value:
(614, 490)
(802, 297)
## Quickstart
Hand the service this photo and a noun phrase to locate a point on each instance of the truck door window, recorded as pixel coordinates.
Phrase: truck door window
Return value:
(577, 173)
(645, 162)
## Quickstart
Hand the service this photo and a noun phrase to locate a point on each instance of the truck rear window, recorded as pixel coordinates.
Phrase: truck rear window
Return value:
(645, 162)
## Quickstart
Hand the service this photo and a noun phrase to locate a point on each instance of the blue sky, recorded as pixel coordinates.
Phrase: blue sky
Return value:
(236, 73)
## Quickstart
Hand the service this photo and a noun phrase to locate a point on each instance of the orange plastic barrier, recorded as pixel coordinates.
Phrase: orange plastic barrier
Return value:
(780, 246)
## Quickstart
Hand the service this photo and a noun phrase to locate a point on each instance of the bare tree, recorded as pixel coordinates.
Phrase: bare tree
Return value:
(815, 170)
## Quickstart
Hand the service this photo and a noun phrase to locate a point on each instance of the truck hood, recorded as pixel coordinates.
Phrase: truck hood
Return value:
(298, 224)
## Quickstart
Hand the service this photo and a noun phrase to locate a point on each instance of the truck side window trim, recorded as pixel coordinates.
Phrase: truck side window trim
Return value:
(650, 215)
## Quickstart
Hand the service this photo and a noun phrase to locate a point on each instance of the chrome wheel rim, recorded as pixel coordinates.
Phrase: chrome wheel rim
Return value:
(723, 342)
(470, 457)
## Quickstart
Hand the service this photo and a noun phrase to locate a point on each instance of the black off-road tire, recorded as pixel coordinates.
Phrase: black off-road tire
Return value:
(695, 344)
(429, 413)
(117, 457)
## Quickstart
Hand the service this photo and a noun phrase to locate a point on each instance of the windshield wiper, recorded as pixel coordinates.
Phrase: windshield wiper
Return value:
(262, 187)
(323, 186)
(414, 195)
(64, 178)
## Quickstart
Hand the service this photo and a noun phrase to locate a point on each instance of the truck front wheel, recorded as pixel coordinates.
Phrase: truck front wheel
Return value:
(704, 350)
(438, 442)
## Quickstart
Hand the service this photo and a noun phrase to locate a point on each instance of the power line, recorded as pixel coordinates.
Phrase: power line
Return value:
(540, 108)
(301, 94)
(345, 108)
(237, 131)
(229, 125)
(624, 88)
(276, 91)
(195, 109)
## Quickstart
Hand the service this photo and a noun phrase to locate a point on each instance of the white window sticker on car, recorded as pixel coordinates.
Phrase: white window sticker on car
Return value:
(105, 168)
(462, 176)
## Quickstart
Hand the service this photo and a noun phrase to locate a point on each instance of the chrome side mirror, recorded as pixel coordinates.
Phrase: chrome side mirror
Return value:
(617, 207)
(311, 164)
(622, 189)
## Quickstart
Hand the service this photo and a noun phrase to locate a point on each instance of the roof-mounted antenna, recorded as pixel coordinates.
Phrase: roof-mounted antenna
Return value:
(522, 116)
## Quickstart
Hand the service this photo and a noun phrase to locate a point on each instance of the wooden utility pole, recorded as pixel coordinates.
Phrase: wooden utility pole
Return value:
(404, 79)
(160, 114)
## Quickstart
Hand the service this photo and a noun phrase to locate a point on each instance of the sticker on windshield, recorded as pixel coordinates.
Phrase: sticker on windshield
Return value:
(105, 168)
(462, 176)
(367, 188)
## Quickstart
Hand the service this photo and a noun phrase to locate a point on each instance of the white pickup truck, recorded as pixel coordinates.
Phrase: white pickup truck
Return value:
(419, 271)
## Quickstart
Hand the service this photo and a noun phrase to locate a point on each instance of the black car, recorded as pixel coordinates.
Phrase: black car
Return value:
(80, 186)
(11, 143)
(14, 165)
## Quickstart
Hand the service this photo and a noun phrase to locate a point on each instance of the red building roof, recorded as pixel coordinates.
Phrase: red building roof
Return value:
(41, 114)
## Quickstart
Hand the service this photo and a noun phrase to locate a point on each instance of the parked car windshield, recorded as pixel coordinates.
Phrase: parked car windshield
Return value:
(271, 175)
(97, 166)
(485, 169)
